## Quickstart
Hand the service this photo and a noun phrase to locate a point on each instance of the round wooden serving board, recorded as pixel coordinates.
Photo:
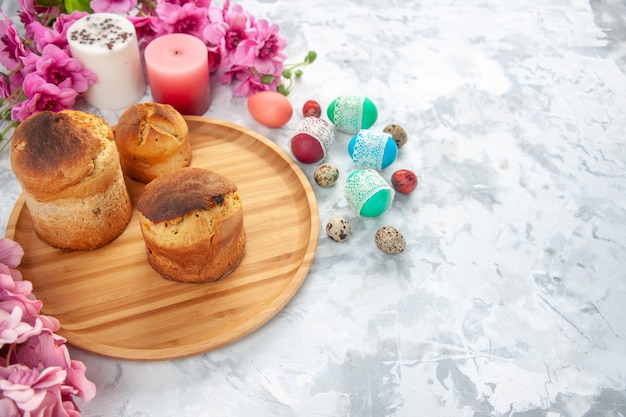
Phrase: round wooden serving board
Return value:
(111, 302)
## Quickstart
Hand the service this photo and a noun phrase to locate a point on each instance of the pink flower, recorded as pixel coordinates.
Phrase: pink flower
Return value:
(12, 47)
(43, 35)
(249, 81)
(12, 84)
(11, 279)
(5, 88)
(14, 330)
(250, 52)
(188, 18)
(113, 6)
(11, 253)
(214, 61)
(199, 3)
(30, 11)
(252, 83)
(76, 378)
(228, 76)
(216, 28)
(49, 350)
(57, 67)
(18, 294)
(146, 27)
(49, 323)
(42, 96)
(63, 23)
(19, 309)
(226, 30)
(32, 392)
(8, 408)
(264, 52)
(40, 379)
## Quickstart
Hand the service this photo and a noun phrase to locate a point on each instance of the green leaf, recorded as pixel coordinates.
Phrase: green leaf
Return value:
(73, 5)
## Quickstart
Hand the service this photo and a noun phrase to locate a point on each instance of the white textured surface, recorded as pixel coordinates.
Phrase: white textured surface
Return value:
(509, 299)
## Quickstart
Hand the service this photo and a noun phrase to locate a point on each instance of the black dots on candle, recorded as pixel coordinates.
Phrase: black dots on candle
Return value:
(105, 33)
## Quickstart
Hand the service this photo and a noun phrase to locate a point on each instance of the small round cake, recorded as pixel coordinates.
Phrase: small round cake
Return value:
(68, 167)
(192, 224)
(152, 139)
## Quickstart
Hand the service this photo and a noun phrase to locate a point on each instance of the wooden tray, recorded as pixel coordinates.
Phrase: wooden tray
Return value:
(111, 302)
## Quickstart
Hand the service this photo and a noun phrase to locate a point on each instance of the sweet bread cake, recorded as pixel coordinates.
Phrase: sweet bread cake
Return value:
(192, 223)
(152, 139)
(68, 167)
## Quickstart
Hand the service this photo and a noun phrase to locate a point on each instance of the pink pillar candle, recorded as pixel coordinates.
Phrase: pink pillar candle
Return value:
(178, 72)
(107, 44)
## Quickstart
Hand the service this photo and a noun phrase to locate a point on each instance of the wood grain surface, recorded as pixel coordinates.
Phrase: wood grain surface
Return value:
(111, 302)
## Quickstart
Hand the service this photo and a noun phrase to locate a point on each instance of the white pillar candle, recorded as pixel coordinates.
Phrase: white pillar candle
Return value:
(107, 44)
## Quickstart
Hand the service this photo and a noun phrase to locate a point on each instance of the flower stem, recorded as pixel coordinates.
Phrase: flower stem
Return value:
(6, 123)
(292, 71)
(9, 353)
(5, 139)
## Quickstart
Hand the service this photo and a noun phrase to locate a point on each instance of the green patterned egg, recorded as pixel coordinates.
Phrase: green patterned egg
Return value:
(368, 193)
(350, 114)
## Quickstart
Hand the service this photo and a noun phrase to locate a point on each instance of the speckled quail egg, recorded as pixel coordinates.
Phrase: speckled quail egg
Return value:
(398, 134)
(326, 175)
(338, 229)
(390, 240)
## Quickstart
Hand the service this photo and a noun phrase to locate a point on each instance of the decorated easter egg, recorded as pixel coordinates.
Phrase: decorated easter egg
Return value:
(373, 149)
(404, 181)
(368, 193)
(311, 108)
(313, 137)
(350, 114)
(270, 108)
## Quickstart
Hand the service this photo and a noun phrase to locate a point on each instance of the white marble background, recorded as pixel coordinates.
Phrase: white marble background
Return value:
(509, 300)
